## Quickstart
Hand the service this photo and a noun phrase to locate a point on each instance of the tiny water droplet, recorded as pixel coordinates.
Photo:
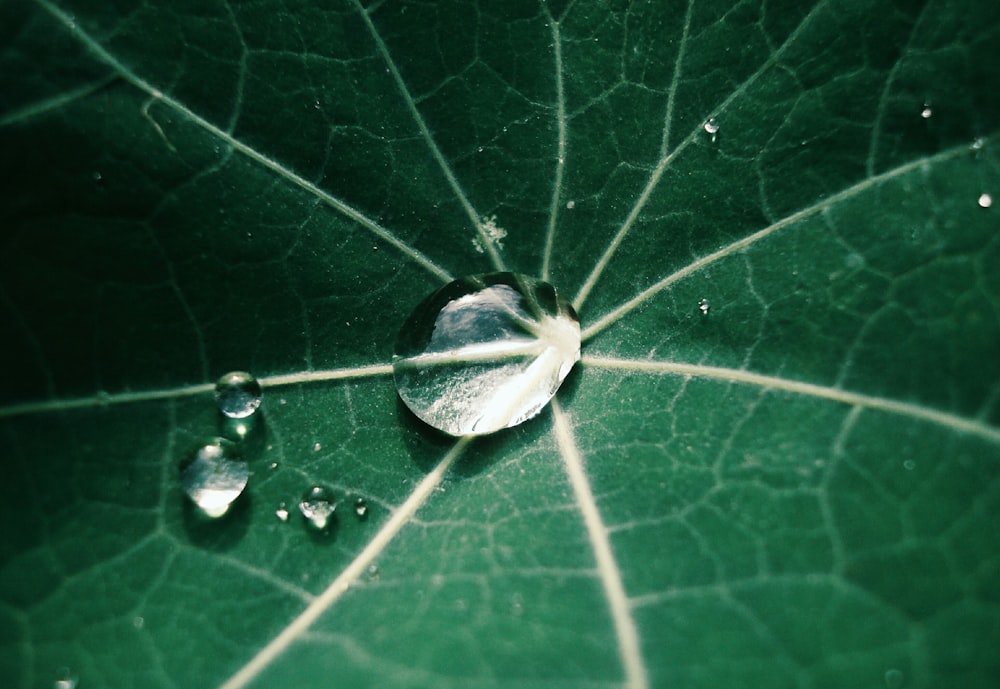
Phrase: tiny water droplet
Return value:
(909, 465)
(927, 112)
(215, 477)
(317, 447)
(854, 260)
(238, 429)
(65, 679)
(894, 679)
(361, 508)
(138, 622)
(704, 306)
(273, 465)
(282, 512)
(711, 126)
(238, 394)
(985, 201)
(317, 506)
(373, 572)
(485, 352)
(978, 143)
(570, 205)
(480, 149)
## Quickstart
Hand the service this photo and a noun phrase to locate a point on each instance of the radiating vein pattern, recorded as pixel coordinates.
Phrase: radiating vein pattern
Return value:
(667, 156)
(922, 164)
(916, 411)
(629, 649)
(474, 217)
(158, 96)
(109, 399)
(339, 586)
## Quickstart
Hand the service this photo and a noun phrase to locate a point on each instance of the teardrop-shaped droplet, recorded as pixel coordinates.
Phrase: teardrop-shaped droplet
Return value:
(238, 394)
(317, 506)
(215, 477)
(485, 352)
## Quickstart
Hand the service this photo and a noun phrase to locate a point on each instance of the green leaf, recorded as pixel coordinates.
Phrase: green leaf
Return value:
(777, 464)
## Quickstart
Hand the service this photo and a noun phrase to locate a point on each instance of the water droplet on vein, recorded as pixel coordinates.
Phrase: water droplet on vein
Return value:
(237, 394)
(485, 352)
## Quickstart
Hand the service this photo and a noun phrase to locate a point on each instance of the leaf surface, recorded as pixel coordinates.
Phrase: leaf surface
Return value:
(777, 464)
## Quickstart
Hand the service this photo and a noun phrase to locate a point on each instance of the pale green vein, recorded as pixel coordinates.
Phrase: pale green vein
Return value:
(343, 581)
(561, 151)
(629, 649)
(876, 129)
(618, 312)
(733, 375)
(667, 157)
(158, 96)
(488, 242)
(106, 400)
(33, 110)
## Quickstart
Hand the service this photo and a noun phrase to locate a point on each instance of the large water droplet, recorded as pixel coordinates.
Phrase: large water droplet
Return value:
(215, 477)
(238, 394)
(485, 352)
(317, 506)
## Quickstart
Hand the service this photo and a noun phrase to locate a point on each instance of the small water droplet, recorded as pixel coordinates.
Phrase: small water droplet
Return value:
(854, 260)
(65, 679)
(927, 112)
(373, 572)
(978, 143)
(894, 679)
(317, 447)
(238, 429)
(138, 622)
(282, 512)
(238, 394)
(517, 604)
(361, 508)
(909, 465)
(485, 352)
(712, 127)
(480, 149)
(704, 306)
(570, 205)
(215, 477)
(317, 506)
(985, 201)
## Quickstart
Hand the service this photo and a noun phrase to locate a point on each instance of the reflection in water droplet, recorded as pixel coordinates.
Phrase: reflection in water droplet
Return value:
(704, 306)
(571, 205)
(985, 201)
(361, 508)
(485, 352)
(215, 477)
(926, 113)
(894, 679)
(65, 679)
(238, 394)
(317, 506)
(282, 512)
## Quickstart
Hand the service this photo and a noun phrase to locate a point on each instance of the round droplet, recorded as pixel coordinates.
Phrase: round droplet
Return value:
(711, 126)
(927, 112)
(985, 201)
(215, 477)
(894, 679)
(282, 512)
(909, 465)
(317, 447)
(238, 394)
(361, 508)
(704, 306)
(317, 506)
(485, 352)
